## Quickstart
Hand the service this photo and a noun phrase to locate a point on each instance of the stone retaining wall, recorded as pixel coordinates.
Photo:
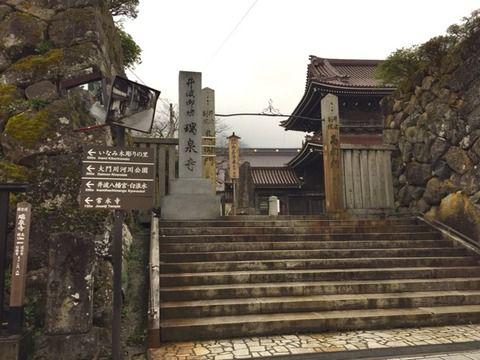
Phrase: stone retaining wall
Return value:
(436, 129)
(42, 44)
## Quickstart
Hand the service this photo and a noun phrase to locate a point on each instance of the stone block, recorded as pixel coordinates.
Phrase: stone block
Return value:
(190, 199)
(103, 294)
(427, 82)
(438, 148)
(70, 284)
(45, 90)
(418, 174)
(245, 191)
(458, 160)
(34, 68)
(457, 211)
(14, 347)
(4, 61)
(20, 33)
(391, 136)
(41, 9)
(469, 182)
(442, 170)
(73, 347)
(476, 147)
(189, 186)
(436, 190)
(4, 11)
(73, 26)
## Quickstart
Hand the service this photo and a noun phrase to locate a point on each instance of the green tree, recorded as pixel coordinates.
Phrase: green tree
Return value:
(131, 50)
(123, 8)
(405, 66)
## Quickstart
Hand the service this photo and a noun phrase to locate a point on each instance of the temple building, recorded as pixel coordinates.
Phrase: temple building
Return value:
(362, 179)
(359, 94)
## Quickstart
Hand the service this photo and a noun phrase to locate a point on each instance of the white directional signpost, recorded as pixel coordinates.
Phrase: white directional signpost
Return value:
(117, 178)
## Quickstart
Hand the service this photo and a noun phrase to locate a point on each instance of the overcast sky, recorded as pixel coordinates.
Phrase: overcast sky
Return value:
(250, 51)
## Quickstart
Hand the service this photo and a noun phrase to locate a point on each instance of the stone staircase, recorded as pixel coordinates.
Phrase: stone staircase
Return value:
(250, 276)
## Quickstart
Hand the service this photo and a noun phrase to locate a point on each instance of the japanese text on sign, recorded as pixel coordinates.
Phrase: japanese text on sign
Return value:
(234, 157)
(190, 127)
(20, 253)
(117, 178)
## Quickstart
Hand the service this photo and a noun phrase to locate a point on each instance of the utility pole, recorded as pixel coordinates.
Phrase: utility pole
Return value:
(171, 128)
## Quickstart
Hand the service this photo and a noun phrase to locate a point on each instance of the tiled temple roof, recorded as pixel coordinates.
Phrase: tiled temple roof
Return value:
(347, 78)
(282, 177)
(345, 73)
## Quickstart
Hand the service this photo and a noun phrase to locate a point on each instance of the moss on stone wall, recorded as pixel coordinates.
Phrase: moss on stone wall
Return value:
(39, 135)
(9, 99)
(39, 62)
(7, 91)
(28, 130)
(10, 172)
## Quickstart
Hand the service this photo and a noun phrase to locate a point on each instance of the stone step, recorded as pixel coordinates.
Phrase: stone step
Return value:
(269, 324)
(309, 254)
(249, 276)
(287, 222)
(231, 291)
(275, 276)
(385, 235)
(381, 214)
(377, 215)
(297, 245)
(292, 264)
(272, 305)
(292, 230)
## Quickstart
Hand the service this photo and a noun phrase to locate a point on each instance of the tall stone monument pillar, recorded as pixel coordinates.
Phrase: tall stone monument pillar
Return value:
(208, 122)
(190, 125)
(191, 196)
(332, 156)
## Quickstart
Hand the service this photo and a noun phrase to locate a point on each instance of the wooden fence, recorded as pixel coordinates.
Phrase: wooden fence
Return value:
(165, 158)
(367, 174)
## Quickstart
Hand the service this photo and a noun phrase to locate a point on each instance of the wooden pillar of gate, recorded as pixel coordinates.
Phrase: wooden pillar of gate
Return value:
(332, 160)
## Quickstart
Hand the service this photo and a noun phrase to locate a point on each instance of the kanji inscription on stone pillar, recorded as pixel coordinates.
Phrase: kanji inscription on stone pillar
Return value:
(208, 120)
(20, 254)
(332, 160)
(190, 125)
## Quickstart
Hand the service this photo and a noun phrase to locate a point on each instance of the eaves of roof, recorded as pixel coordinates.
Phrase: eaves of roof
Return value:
(275, 177)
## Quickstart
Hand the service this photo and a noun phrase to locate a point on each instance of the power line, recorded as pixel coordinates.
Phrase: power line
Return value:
(142, 82)
(230, 34)
(270, 115)
(138, 77)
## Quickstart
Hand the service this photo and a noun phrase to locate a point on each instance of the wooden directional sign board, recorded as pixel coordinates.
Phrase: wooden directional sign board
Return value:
(117, 178)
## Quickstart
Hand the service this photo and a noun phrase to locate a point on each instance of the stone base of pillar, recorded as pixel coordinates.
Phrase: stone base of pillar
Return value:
(190, 199)
(15, 347)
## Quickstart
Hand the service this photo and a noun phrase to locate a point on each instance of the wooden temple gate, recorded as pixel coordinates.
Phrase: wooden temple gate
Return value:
(367, 176)
(357, 176)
